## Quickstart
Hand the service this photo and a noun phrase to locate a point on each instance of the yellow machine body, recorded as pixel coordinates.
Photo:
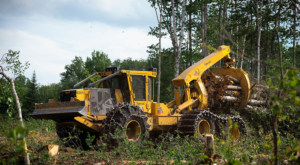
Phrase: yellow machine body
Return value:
(160, 116)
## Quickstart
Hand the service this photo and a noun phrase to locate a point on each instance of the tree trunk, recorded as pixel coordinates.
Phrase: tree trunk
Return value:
(202, 31)
(279, 47)
(277, 24)
(280, 55)
(258, 23)
(176, 45)
(275, 140)
(190, 34)
(159, 50)
(26, 155)
(267, 47)
(243, 49)
(224, 20)
(294, 39)
(205, 29)
(237, 37)
(220, 30)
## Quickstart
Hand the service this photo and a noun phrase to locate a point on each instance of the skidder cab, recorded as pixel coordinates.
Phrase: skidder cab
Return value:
(88, 107)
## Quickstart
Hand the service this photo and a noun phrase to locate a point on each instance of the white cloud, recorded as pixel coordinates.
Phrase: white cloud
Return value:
(50, 44)
(44, 55)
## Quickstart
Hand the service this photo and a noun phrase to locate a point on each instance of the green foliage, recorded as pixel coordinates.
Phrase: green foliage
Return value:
(15, 139)
(31, 96)
(130, 64)
(98, 62)
(17, 133)
(73, 74)
(93, 79)
(167, 71)
(51, 91)
(13, 64)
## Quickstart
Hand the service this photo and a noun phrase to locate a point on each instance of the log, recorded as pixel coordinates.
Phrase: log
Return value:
(207, 84)
(214, 76)
(229, 99)
(204, 76)
(217, 81)
(211, 89)
(232, 87)
(254, 96)
(256, 108)
(209, 73)
(256, 102)
(218, 97)
(231, 93)
(209, 145)
(221, 91)
(233, 79)
(228, 82)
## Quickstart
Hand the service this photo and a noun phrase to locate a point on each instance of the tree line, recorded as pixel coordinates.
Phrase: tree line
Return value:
(263, 37)
(31, 92)
(263, 34)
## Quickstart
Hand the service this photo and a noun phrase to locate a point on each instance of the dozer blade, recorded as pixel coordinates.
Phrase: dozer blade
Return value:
(60, 110)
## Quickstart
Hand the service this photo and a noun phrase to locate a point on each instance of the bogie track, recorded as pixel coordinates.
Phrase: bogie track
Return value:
(203, 122)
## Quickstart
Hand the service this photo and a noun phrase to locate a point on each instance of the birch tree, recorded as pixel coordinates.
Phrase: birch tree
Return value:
(12, 62)
(175, 41)
(190, 34)
(258, 24)
(243, 46)
(153, 4)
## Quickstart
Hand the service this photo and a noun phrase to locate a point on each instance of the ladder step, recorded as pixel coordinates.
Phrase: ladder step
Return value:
(186, 126)
(187, 120)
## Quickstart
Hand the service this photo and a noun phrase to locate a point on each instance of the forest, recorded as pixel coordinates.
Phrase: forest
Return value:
(263, 36)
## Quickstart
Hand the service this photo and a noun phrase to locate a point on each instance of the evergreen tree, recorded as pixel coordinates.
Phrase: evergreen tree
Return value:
(31, 96)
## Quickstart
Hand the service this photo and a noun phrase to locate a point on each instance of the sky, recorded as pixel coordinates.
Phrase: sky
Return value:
(49, 34)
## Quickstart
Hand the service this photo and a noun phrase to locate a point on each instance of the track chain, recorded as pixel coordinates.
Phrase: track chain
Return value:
(188, 122)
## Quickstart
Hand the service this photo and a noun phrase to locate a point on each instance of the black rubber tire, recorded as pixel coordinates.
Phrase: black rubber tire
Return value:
(119, 117)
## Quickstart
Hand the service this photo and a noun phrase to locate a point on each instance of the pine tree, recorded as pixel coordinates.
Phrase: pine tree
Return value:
(31, 95)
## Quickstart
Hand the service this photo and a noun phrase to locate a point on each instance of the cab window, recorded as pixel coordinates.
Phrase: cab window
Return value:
(139, 87)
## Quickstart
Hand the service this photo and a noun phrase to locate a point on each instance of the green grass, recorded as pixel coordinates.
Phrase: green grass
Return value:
(8, 123)
(167, 148)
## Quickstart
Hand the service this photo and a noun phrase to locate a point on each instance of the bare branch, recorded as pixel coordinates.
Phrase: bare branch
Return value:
(3, 56)
(295, 5)
(156, 12)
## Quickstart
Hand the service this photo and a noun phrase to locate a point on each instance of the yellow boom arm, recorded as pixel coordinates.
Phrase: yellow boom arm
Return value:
(194, 73)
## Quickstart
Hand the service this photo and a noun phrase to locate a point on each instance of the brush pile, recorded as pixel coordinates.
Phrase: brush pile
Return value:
(226, 91)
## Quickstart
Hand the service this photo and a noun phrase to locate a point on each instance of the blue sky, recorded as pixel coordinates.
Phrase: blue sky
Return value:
(49, 34)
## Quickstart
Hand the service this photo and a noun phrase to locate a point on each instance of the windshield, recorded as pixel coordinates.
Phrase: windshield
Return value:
(118, 82)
